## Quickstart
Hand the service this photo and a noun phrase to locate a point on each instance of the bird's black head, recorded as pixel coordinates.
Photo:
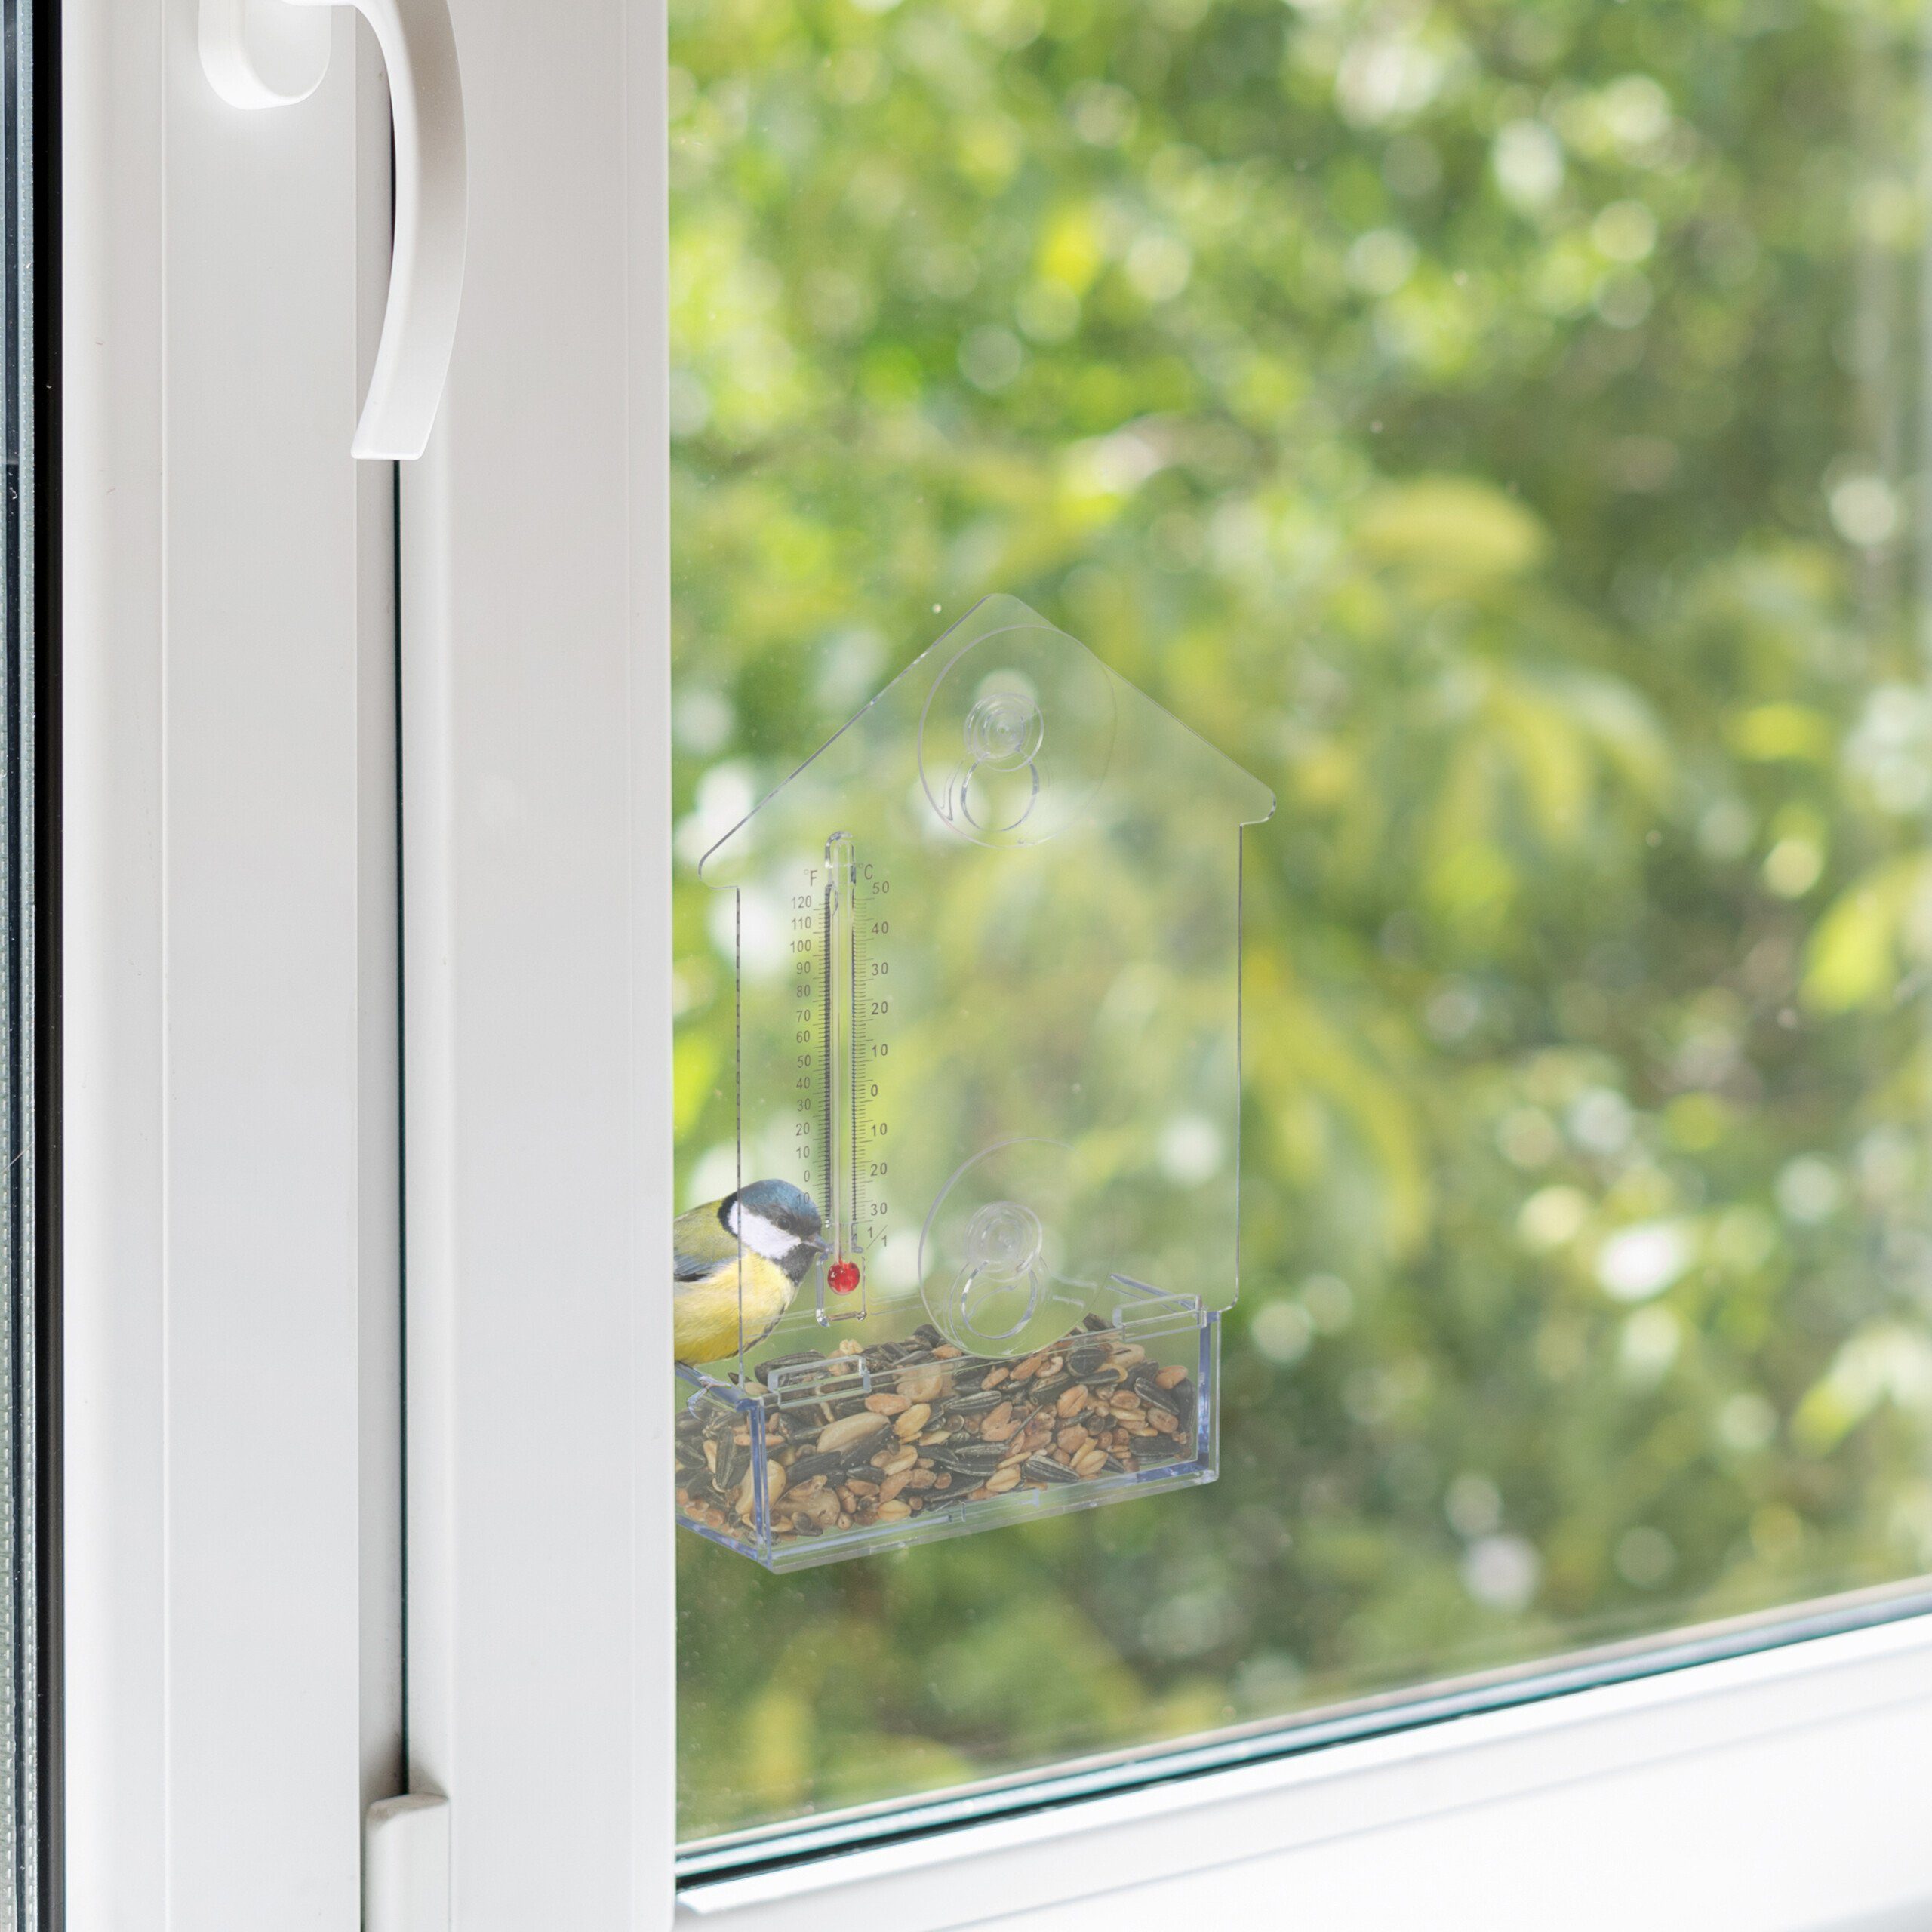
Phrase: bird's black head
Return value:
(780, 1221)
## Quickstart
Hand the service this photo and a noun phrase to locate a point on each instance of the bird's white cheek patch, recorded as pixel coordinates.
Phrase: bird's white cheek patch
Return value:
(765, 1238)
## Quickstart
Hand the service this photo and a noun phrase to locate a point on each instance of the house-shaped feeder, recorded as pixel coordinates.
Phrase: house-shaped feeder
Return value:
(989, 1021)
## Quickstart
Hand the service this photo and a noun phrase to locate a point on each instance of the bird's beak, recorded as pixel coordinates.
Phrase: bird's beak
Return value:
(823, 1247)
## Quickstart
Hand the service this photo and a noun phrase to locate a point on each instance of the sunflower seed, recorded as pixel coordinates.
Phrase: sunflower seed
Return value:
(803, 1468)
(1043, 1469)
(1084, 1358)
(982, 1403)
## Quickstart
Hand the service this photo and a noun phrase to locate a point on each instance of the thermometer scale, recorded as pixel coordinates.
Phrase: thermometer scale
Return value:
(854, 1158)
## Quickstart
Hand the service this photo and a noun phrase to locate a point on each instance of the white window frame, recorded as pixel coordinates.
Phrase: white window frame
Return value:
(217, 1652)
(231, 1615)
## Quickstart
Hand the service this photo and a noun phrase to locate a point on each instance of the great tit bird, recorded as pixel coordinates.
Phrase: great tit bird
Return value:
(738, 1264)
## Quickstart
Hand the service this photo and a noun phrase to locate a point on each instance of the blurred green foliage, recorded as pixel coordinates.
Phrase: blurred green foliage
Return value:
(1497, 426)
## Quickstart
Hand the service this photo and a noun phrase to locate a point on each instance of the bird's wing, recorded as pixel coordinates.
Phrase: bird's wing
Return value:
(700, 1245)
(690, 1267)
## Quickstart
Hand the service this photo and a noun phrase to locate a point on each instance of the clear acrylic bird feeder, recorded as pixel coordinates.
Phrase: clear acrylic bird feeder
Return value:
(988, 946)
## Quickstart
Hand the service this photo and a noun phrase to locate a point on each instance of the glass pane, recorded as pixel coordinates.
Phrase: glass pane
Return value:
(1498, 430)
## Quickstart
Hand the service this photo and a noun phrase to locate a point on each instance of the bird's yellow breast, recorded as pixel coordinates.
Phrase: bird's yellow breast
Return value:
(706, 1314)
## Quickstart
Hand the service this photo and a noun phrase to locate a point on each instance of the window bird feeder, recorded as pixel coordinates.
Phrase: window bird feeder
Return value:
(989, 1021)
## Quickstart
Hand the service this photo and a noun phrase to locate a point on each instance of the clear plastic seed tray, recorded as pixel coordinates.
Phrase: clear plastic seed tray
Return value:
(817, 1457)
(987, 1084)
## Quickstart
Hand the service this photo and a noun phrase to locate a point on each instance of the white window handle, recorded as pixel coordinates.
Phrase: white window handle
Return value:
(273, 53)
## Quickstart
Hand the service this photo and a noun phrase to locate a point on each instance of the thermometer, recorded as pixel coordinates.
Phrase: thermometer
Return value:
(854, 1157)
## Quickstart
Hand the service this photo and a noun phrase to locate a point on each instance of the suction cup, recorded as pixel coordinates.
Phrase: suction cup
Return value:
(1017, 735)
(1001, 1270)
